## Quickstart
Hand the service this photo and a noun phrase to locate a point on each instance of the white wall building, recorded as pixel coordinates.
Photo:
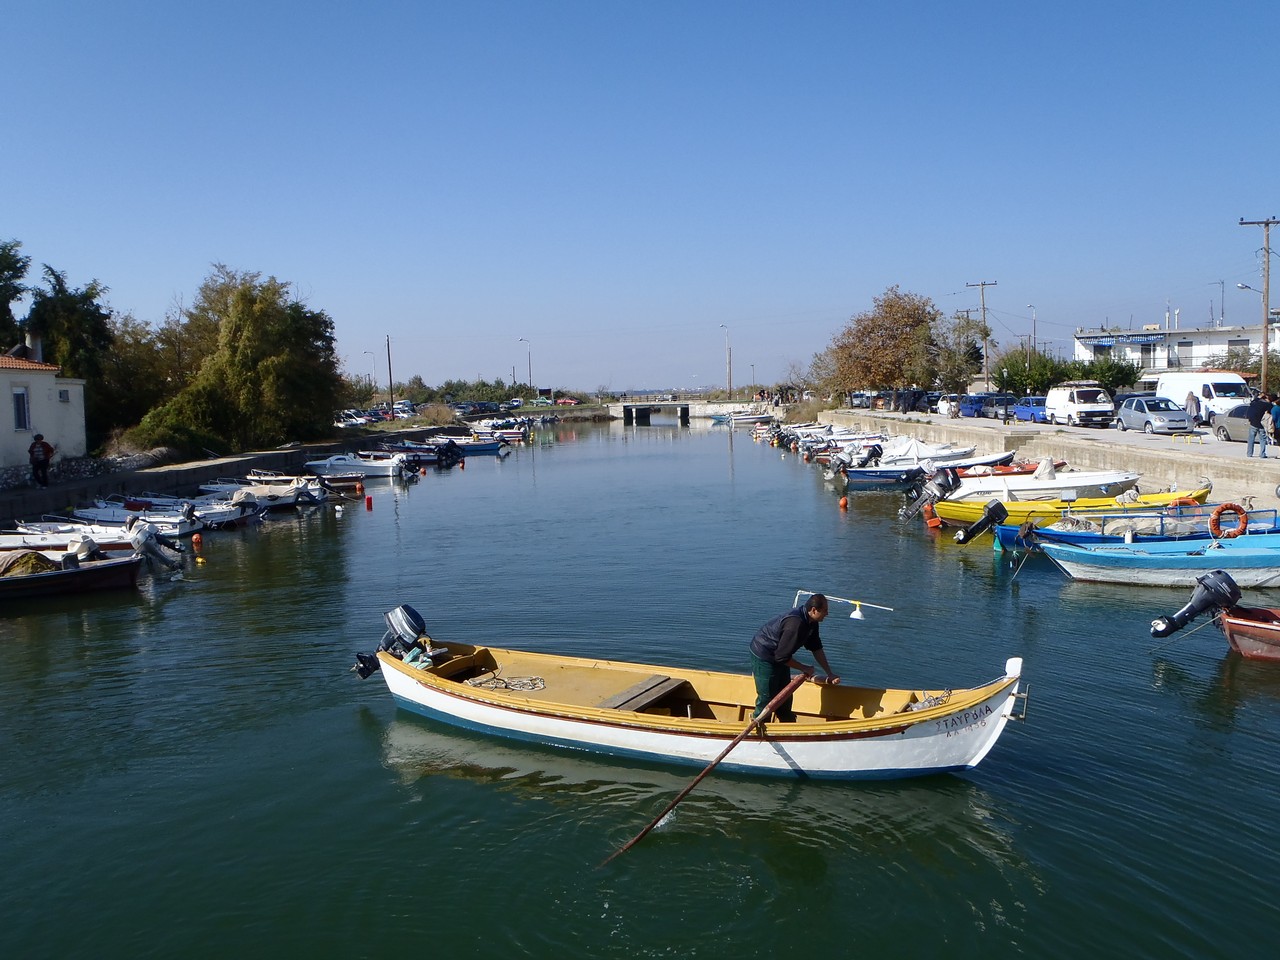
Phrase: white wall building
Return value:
(41, 401)
(1158, 349)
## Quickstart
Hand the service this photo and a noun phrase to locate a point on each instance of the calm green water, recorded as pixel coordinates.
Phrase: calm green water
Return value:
(191, 771)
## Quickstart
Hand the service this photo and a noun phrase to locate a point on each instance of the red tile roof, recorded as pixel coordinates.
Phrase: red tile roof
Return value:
(18, 363)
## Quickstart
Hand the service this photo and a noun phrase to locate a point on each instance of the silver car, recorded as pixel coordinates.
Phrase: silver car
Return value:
(1152, 415)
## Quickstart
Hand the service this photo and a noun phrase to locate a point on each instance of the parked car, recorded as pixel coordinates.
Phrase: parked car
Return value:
(1232, 425)
(933, 397)
(515, 402)
(568, 402)
(949, 405)
(971, 404)
(998, 406)
(860, 401)
(1152, 415)
(1030, 409)
(542, 402)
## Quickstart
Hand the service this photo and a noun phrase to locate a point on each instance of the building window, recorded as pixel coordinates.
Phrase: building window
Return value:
(1242, 343)
(21, 409)
(64, 396)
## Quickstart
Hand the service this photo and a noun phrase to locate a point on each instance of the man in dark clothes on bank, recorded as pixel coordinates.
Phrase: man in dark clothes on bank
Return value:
(774, 647)
(1257, 407)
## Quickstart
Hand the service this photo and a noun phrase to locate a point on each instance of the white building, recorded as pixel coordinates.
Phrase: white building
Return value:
(1158, 349)
(41, 402)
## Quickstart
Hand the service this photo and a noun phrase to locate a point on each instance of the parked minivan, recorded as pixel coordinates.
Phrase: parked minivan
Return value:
(1217, 390)
(1079, 403)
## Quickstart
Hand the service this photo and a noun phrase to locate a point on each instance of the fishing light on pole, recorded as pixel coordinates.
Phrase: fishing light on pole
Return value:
(855, 614)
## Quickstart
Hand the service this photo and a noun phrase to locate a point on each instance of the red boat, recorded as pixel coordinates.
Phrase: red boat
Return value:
(1016, 468)
(1253, 632)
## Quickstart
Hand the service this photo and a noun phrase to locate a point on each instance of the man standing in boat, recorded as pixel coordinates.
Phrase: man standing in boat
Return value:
(773, 651)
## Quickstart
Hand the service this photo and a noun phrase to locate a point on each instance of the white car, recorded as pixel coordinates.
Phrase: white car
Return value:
(949, 405)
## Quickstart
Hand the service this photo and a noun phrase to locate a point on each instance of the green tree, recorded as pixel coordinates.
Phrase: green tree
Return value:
(13, 271)
(273, 376)
(956, 347)
(887, 346)
(75, 329)
(134, 376)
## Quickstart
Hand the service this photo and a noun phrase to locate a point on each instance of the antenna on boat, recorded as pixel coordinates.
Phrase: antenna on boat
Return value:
(855, 614)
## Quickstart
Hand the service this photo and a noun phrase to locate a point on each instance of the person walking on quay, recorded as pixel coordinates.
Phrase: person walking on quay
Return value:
(1257, 407)
(40, 453)
(1193, 408)
(1275, 418)
(773, 649)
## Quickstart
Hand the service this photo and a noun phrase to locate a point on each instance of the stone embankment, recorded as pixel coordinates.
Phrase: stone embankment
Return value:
(1164, 461)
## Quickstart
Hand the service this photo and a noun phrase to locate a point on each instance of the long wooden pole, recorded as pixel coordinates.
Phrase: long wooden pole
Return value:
(772, 705)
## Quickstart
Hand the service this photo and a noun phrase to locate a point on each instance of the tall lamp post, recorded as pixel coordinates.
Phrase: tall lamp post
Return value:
(753, 375)
(1032, 308)
(728, 362)
(373, 371)
(529, 357)
(1266, 329)
(1266, 226)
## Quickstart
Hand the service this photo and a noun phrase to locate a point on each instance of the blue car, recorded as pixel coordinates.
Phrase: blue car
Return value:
(1030, 409)
(971, 404)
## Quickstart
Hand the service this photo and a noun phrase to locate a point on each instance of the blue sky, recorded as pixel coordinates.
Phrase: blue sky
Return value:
(615, 180)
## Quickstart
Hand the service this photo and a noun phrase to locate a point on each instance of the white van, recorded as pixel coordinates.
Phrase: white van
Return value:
(1079, 403)
(1218, 390)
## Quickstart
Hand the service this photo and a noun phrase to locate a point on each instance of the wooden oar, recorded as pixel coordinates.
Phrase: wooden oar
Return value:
(772, 705)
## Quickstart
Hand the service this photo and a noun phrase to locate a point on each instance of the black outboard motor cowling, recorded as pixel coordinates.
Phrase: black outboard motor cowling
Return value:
(942, 483)
(406, 631)
(1214, 589)
(871, 457)
(993, 513)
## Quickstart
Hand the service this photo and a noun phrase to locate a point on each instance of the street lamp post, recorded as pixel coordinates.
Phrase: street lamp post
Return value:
(373, 374)
(728, 362)
(1266, 328)
(753, 375)
(529, 357)
(1032, 307)
(1266, 226)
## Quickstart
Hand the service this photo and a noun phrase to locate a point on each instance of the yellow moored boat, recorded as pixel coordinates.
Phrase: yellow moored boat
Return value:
(963, 513)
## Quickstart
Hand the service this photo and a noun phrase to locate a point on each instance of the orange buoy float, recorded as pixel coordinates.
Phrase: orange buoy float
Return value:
(197, 541)
(1215, 521)
(844, 503)
(368, 503)
(931, 518)
(359, 487)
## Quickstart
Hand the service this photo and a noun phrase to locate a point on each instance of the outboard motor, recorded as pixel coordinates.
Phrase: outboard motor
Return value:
(448, 454)
(406, 639)
(993, 513)
(942, 483)
(1214, 589)
(872, 457)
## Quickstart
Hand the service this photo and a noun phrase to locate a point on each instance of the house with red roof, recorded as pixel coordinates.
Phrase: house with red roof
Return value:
(39, 401)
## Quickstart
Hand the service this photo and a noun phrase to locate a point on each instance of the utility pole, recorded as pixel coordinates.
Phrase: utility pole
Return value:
(986, 349)
(1266, 290)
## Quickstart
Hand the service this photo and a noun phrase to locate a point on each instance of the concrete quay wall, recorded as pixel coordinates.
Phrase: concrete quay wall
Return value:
(1163, 461)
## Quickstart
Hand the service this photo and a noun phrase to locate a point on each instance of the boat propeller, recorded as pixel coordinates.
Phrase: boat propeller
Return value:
(1214, 589)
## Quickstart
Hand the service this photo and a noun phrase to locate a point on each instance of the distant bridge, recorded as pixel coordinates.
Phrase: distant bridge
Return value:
(638, 410)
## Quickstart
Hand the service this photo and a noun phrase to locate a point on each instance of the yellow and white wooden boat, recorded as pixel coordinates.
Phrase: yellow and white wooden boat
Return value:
(963, 513)
(687, 716)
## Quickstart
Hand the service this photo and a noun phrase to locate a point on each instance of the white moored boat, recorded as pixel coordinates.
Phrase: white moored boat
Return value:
(685, 716)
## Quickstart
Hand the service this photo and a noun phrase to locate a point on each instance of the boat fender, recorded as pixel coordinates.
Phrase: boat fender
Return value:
(1215, 521)
(1214, 589)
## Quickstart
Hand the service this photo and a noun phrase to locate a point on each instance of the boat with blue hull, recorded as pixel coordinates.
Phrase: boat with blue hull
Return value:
(1253, 560)
(1177, 522)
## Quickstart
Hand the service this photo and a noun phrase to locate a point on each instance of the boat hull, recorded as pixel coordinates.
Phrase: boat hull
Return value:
(1255, 563)
(1252, 632)
(118, 574)
(964, 513)
(934, 740)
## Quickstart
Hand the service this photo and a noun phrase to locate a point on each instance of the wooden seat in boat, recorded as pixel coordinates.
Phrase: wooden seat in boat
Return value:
(643, 694)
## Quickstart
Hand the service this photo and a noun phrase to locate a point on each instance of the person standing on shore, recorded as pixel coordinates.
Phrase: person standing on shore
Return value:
(1193, 408)
(40, 453)
(1257, 407)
